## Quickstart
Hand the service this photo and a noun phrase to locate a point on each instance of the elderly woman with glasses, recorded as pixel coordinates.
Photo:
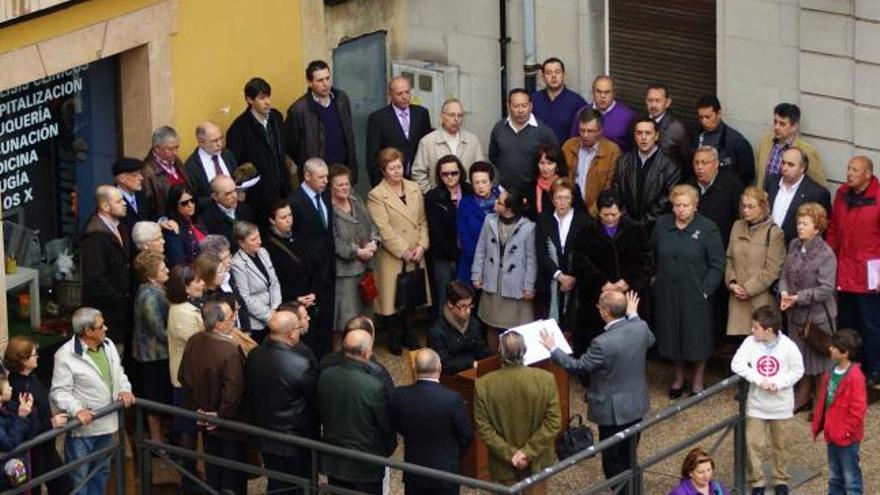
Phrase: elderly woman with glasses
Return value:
(255, 277)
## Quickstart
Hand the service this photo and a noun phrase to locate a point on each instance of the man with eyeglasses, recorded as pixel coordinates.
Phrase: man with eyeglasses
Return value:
(207, 161)
(162, 167)
(616, 117)
(456, 335)
(449, 139)
(224, 209)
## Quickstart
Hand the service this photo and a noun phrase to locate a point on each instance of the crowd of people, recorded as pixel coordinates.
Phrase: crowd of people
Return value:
(249, 269)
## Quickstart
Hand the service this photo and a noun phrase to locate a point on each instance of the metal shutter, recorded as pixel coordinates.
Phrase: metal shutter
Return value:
(671, 41)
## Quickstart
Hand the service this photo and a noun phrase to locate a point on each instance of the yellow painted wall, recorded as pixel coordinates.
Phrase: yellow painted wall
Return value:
(219, 46)
(65, 20)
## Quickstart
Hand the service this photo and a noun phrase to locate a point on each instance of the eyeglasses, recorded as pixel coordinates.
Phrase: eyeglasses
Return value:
(187, 202)
(449, 174)
(464, 306)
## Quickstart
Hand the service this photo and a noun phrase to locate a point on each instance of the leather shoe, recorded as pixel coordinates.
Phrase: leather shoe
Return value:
(781, 489)
(676, 393)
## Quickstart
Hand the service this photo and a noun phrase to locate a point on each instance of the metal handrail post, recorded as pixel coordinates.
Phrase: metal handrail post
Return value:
(316, 482)
(739, 440)
(634, 487)
(144, 456)
(120, 452)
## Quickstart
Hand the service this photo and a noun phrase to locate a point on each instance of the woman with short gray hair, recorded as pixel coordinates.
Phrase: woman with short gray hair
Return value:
(147, 236)
(255, 277)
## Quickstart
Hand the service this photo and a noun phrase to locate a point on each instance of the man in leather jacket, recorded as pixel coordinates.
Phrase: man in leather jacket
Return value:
(282, 384)
(645, 175)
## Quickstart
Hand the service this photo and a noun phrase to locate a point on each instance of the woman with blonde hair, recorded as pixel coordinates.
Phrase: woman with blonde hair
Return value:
(690, 265)
(754, 260)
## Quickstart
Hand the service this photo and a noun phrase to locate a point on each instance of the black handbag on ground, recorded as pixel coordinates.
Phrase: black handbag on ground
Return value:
(574, 439)
(410, 291)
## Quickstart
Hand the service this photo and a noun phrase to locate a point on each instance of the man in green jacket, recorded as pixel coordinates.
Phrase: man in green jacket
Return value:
(353, 405)
(516, 410)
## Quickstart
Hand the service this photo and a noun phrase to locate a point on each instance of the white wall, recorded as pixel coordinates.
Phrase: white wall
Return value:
(819, 54)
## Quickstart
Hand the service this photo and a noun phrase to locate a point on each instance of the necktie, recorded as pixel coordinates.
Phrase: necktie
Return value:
(320, 206)
(218, 170)
(404, 122)
(134, 204)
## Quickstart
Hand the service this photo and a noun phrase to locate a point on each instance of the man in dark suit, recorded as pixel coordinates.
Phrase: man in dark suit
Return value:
(256, 136)
(313, 224)
(719, 188)
(615, 360)
(224, 210)
(319, 123)
(435, 426)
(399, 125)
(792, 188)
(675, 139)
(207, 161)
(105, 247)
(130, 182)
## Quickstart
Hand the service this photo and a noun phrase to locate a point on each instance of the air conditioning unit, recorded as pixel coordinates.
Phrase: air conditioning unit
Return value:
(432, 83)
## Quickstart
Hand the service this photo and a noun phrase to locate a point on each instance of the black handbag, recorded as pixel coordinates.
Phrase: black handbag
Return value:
(410, 291)
(574, 439)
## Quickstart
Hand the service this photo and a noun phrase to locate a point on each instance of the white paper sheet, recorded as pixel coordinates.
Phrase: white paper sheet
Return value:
(873, 274)
(535, 350)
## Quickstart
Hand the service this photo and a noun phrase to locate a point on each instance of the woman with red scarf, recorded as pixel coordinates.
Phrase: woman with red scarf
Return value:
(549, 165)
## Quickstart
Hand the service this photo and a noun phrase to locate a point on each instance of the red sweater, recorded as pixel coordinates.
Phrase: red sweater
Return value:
(844, 421)
(854, 236)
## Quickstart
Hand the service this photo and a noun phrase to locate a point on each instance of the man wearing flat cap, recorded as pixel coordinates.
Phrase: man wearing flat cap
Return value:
(129, 179)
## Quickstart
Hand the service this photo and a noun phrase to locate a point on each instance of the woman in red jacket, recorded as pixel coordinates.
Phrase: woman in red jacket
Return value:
(841, 403)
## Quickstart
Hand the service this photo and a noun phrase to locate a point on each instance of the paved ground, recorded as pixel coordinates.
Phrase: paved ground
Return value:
(808, 457)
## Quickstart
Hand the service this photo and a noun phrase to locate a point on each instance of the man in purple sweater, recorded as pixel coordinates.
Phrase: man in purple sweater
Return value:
(616, 117)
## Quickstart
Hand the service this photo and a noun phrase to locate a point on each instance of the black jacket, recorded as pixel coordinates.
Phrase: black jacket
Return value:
(457, 351)
(546, 241)
(436, 430)
(250, 142)
(809, 191)
(600, 259)
(105, 273)
(317, 256)
(304, 132)
(442, 229)
(375, 368)
(288, 266)
(675, 139)
(383, 131)
(661, 176)
(720, 203)
(734, 151)
(181, 247)
(197, 180)
(282, 384)
(216, 222)
(547, 208)
(145, 211)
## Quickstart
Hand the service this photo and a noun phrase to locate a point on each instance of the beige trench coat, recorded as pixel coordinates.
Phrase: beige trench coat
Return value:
(401, 227)
(754, 261)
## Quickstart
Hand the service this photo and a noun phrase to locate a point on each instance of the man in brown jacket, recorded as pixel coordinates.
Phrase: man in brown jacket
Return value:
(212, 375)
(591, 158)
(162, 167)
(516, 410)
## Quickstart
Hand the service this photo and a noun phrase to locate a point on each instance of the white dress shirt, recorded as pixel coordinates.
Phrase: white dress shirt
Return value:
(208, 164)
(783, 200)
(531, 122)
(585, 158)
(564, 226)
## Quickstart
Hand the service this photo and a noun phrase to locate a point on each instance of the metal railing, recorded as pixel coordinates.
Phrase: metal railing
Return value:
(630, 481)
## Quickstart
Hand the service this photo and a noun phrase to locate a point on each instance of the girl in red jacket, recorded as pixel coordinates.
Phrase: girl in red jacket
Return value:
(841, 404)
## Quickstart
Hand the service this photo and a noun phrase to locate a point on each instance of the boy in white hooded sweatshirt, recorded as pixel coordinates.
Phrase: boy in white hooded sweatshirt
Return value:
(772, 364)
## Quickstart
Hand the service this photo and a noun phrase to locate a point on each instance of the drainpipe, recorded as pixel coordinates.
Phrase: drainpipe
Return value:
(503, 41)
(530, 67)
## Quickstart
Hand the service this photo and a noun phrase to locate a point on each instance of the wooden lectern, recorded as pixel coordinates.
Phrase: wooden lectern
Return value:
(476, 461)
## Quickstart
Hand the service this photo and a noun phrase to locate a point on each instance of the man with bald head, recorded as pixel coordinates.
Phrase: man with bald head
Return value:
(224, 209)
(516, 411)
(282, 385)
(449, 139)
(353, 406)
(616, 116)
(854, 235)
(401, 124)
(615, 360)
(435, 426)
(105, 270)
(207, 161)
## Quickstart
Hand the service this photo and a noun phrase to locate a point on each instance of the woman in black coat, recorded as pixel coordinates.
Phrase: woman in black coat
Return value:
(549, 166)
(441, 208)
(21, 361)
(288, 266)
(611, 253)
(556, 232)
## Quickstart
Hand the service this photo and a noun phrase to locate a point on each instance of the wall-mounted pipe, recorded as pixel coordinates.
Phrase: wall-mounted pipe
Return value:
(503, 41)
(530, 63)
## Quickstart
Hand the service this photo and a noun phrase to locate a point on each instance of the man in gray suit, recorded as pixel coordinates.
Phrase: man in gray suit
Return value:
(615, 360)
